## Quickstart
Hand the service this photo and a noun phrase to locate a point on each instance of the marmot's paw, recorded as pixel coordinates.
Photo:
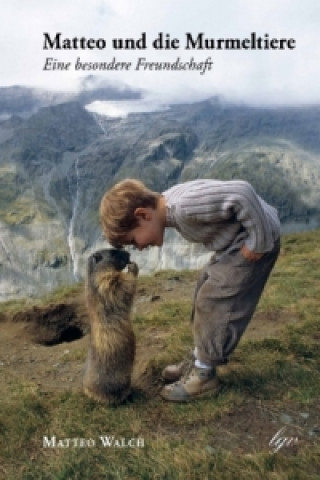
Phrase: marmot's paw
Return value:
(133, 268)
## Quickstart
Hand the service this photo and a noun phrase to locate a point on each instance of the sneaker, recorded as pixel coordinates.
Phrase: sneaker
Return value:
(172, 373)
(197, 383)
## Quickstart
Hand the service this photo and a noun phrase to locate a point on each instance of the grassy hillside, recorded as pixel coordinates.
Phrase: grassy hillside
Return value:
(272, 384)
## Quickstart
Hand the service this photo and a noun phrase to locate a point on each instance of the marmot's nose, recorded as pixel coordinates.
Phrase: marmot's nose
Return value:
(97, 257)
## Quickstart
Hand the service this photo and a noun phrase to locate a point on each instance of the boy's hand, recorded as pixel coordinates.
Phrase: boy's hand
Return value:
(133, 268)
(251, 256)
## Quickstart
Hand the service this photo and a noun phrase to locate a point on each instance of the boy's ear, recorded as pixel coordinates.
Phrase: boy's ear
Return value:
(142, 212)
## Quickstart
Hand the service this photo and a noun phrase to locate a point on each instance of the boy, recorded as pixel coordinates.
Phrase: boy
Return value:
(229, 218)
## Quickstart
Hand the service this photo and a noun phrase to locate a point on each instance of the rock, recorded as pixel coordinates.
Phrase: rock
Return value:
(56, 262)
(211, 450)
(144, 298)
(176, 278)
(315, 431)
(286, 418)
(305, 416)
(155, 297)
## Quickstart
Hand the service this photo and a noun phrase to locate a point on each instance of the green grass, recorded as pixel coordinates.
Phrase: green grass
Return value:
(19, 203)
(61, 294)
(180, 441)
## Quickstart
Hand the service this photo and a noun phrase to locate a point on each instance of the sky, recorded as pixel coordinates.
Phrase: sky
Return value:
(290, 76)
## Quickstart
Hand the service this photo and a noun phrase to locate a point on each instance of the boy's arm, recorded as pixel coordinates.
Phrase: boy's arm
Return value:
(249, 211)
(219, 201)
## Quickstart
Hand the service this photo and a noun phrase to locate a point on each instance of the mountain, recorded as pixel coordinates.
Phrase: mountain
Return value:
(56, 163)
(20, 100)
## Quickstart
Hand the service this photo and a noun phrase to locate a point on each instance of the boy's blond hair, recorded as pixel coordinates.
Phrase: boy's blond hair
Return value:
(118, 205)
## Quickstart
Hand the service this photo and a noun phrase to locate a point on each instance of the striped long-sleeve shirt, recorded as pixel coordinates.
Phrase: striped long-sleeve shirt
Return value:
(222, 215)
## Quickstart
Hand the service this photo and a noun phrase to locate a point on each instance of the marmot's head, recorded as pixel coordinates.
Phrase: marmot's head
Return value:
(108, 259)
(103, 265)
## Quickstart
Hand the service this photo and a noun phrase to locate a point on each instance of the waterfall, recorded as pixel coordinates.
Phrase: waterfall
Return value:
(99, 123)
(71, 236)
(6, 250)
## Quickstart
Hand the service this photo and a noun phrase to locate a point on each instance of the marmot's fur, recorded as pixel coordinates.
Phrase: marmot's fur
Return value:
(110, 293)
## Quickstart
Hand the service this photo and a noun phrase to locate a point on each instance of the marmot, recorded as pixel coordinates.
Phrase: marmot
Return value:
(110, 294)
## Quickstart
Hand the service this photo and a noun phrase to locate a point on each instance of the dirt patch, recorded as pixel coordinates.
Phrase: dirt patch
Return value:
(256, 427)
(47, 347)
(54, 323)
(57, 367)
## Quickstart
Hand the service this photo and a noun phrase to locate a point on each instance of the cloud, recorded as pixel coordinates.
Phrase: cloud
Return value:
(256, 76)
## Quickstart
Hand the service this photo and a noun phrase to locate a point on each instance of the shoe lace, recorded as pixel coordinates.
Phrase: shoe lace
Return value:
(187, 368)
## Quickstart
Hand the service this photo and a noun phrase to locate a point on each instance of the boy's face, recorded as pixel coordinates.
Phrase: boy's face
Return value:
(150, 230)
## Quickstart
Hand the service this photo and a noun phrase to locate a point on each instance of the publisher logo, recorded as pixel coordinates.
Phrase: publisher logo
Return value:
(279, 440)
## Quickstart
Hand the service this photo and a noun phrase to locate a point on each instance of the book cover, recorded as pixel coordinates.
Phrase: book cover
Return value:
(92, 93)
